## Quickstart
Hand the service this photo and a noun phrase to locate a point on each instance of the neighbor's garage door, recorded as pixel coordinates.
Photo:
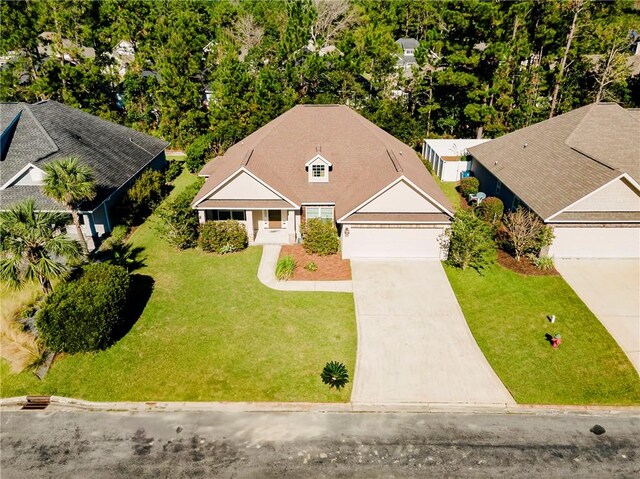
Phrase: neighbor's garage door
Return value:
(390, 242)
(596, 243)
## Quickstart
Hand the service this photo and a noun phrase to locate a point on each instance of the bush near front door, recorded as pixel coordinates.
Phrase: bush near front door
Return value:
(223, 236)
(320, 237)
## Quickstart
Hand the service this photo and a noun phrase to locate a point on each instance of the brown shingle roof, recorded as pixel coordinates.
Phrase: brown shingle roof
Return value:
(554, 163)
(365, 158)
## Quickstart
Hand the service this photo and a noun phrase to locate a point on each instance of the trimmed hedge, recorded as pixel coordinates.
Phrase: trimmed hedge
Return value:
(178, 221)
(223, 236)
(320, 237)
(469, 186)
(86, 314)
(491, 209)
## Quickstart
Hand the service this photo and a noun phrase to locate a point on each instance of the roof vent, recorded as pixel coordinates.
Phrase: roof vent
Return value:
(247, 157)
(525, 145)
(394, 161)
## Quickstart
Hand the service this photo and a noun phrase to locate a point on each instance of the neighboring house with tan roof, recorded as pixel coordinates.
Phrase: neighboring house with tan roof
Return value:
(579, 172)
(36, 134)
(327, 161)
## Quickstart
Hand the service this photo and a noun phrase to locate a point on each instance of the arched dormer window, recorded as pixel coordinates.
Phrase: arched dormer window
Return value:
(318, 169)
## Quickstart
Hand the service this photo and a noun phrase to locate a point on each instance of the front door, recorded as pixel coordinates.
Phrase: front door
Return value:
(275, 219)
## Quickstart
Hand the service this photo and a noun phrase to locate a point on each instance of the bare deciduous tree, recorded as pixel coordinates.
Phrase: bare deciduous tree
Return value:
(611, 67)
(247, 33)
(333, 16)
(526, 233)
(577, 6)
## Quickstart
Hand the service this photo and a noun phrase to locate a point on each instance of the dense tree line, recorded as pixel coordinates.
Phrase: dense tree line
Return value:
(485, 67)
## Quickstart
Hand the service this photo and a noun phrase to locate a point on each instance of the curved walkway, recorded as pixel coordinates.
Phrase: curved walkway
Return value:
(414, 345)
(267, 276)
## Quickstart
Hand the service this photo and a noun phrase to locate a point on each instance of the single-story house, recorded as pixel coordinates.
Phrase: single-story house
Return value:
(34, 135)
(449, 158)
(327, 161)
(579, 172)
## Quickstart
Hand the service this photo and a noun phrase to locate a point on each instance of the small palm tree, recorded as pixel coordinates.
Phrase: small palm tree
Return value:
(33, 246)
(335, 375)
(69, 182)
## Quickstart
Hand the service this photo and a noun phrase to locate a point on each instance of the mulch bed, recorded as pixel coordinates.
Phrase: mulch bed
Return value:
(330, 268)
(524, 266)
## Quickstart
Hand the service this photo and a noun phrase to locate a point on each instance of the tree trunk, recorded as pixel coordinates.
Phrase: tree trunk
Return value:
(563, 62)
(83, 241)
(45, 284)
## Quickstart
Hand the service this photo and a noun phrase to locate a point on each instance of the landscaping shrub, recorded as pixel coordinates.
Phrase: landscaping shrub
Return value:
(311, 266)
(469, 186)
(86, 314)
(223, 236)
(198, 153)
(285, 268)
(335, 375)
(145, 194)
(117, 236)
(320, 237)
(470, 242)
(491, 209)
(525, 233)
(173, 170)
(178, 221)
(544, 263)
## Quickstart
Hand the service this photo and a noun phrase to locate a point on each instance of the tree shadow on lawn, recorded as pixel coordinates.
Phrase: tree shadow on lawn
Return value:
(141, 289)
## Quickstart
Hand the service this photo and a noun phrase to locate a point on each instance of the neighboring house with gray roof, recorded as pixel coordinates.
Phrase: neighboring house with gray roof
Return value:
(46, 131)
(579, 172)
(327, 161)
(407, 59)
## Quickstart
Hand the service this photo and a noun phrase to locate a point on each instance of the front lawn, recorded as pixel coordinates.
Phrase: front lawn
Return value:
(210, 332)
(507, 314)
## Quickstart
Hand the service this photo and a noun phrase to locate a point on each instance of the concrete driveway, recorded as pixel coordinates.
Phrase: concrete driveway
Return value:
(611, 289)
(414, 344)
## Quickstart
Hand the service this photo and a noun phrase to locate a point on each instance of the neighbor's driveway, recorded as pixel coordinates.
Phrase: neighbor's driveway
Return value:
(414, 344)
(611, 289)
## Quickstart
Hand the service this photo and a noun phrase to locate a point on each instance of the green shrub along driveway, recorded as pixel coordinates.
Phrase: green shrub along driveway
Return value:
(210, 331)
(507, 314)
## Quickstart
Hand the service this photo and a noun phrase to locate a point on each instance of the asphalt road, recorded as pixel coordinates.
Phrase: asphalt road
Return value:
(335, 445)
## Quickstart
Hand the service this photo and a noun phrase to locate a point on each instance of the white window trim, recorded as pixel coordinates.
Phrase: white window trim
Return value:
(320, 208)
(318, 159)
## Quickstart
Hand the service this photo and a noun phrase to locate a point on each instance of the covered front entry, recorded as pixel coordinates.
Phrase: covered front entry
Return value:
(391, 241)
(274, 217)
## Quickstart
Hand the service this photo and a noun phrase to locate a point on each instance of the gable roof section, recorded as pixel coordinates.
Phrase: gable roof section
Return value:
(49, 130)
(365, 159)
(550, 166)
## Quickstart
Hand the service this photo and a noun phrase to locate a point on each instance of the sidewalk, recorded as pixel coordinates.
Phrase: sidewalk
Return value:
(59, 403)
(267, 276)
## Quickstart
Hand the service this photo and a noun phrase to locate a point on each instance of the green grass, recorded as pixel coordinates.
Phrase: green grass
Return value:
(449, 190)
(210, 332)
(507, 314)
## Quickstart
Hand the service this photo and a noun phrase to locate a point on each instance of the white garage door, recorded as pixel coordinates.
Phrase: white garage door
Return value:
(390, 242)
(596, 243)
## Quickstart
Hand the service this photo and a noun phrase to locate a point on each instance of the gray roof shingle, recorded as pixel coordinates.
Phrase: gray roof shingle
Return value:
(49, 130)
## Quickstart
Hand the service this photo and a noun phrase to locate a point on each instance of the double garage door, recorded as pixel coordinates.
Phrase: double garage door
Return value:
(391, 242)
(596, 243)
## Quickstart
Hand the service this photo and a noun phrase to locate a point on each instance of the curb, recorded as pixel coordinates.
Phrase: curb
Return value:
(59, 403)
